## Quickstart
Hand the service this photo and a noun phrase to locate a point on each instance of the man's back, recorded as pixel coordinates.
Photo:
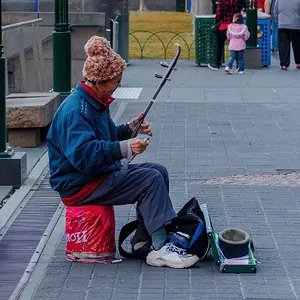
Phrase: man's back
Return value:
(288, 12)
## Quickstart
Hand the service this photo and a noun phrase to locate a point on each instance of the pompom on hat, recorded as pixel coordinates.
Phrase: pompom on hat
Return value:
(102, 63)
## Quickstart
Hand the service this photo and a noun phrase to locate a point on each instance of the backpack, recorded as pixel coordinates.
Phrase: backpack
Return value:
(190, 220)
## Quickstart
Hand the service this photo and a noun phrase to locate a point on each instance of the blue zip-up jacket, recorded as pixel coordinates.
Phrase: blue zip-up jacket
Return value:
(83, 143)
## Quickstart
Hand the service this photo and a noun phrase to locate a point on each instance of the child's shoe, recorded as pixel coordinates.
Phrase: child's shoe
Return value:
(228, 71)
(284, 68)
(298, 67)
(241, 72)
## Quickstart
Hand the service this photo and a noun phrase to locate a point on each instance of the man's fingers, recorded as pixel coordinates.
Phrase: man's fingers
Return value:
(138, 146)
(140, 116)
(148, 131)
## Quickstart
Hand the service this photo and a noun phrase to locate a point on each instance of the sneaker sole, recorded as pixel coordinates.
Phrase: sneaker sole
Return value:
(175, 265)
(212, 68)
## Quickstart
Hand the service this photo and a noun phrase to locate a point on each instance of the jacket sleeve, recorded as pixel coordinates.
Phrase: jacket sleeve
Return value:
(228, 34)
(241, 5)
(220, 11)
(246, 34)
(81, 147)
(267, 6)
(124, 132)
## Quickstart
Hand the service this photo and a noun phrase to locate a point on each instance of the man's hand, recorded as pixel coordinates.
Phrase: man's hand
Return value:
(138, 146)
(145, 127)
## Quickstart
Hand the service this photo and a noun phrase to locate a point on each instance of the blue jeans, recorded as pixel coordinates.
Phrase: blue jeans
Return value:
(274, 33)
(239, 56)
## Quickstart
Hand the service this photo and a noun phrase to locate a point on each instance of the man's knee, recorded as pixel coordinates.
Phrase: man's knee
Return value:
(155, 176)
(162, 170)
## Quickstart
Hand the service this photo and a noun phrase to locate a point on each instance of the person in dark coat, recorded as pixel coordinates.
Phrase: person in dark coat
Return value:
(269, 9)
(288, 15)
(86, 148)
(226, 9)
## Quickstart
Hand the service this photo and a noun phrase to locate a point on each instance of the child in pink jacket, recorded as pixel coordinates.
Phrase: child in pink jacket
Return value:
(237, 34)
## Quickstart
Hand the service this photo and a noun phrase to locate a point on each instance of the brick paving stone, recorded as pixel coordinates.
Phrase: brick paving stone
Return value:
(246, 126)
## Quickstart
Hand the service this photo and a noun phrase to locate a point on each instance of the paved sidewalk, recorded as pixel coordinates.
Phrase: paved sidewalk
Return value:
(206, 125)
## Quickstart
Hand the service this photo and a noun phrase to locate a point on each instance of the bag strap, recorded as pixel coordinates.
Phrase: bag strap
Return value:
(125, 232)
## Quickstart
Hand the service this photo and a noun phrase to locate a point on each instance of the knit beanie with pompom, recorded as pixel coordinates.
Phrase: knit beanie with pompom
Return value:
(102, 62)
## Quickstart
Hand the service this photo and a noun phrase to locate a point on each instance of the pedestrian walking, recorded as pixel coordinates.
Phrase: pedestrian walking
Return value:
(288, 15)
(261, 5)
(269, 9)
(237, 34)
(226, 9)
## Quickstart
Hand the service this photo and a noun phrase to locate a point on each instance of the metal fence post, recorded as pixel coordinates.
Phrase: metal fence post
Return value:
(4, 152)
(251, 12)
(61, 48)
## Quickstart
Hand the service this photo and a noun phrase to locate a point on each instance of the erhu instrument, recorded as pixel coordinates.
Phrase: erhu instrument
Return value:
(164, 79)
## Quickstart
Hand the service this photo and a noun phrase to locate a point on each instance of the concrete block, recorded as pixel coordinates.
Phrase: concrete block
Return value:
(4, 192)
(253, 58)
(76, 18)
(14, 17)
(13, 170)
(26, 137)
(18, 6)
(46, 6)
(31, 110)
(94, 6)
(27, 114)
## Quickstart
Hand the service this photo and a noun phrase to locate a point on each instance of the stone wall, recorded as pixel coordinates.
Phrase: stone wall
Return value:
(83, 5)
(79, 38)
(86, 17)
(156, 5)
(48, 6)
(81, 32)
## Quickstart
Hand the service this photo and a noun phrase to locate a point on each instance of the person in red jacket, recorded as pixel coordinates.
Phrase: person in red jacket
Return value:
(226, 9)
(261, 5)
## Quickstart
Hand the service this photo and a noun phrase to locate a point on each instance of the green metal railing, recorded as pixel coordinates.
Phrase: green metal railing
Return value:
(186, 43)
(251, 10)
(4, 152)
(61, 44)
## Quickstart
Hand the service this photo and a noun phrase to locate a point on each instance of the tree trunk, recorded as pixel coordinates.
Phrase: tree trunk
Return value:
(202, 7)
(142, 5)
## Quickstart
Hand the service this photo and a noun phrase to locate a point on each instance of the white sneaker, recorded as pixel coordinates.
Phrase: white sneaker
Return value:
(241, 72)
(171, 256)
(213, 67)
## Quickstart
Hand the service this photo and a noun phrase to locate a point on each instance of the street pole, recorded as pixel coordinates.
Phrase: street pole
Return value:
(251, 12)
(61, 39)
(4, 152)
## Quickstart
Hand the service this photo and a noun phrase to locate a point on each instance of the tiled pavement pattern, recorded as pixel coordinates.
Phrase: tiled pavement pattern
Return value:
(207, 125)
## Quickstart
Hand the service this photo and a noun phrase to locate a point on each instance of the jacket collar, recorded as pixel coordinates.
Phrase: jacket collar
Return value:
(82, 92)
(92, 98)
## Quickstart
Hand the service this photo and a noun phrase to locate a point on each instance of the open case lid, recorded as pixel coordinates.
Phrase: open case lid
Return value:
(226, 266)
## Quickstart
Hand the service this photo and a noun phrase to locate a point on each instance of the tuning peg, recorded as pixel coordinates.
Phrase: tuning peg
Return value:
(165, 65)
(159, 76)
